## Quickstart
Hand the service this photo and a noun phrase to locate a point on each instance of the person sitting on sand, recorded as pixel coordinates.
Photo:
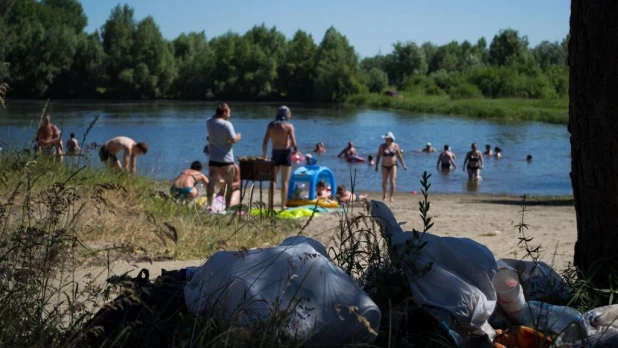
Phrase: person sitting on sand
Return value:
(348, 151)
(428, 148)
(345, 196)
(132, 149)
(488, 151)
(319, 148)
(320, 190)
(184, 187)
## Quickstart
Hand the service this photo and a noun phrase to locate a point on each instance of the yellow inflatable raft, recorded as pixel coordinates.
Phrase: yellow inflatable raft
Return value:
(321, 202)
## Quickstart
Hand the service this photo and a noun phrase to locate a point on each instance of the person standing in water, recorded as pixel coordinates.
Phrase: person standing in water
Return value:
(281, 132)
(446, 159)
(389, 152)
(473, 163)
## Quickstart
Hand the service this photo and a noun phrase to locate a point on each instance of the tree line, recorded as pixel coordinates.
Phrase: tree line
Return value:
(49, 54)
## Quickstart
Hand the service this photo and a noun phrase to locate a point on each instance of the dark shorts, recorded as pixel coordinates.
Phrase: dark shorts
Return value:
(282, 157)
(446, 166)
(219, 164)
(106, 156)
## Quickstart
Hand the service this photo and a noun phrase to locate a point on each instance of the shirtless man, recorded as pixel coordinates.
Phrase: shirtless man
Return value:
(488, 151)
(429, 148)
(446, 159)
(349, 151)
(281, 132)
(184, 186)
(108, 152)
(72, 145)
(48, 141)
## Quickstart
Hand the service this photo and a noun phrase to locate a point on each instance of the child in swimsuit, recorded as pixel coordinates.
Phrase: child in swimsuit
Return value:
(345, 196)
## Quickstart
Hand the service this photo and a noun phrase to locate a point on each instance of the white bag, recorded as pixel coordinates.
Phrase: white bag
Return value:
(460, 277)
(245, 287)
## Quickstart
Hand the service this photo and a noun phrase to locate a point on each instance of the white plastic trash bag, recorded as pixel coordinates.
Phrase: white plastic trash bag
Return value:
(243, 288)
(539, 280)
(460, 277)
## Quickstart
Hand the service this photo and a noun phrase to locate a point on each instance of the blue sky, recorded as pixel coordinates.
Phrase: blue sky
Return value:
(370, 26)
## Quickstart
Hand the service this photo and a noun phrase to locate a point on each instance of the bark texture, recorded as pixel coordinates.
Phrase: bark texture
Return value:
(593, 124)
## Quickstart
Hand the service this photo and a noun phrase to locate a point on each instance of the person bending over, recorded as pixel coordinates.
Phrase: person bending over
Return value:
(131, 149)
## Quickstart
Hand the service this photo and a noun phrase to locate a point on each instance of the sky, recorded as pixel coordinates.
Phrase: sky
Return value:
(370, 26)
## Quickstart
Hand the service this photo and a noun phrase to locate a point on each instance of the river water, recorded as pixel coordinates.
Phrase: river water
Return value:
(176, 134)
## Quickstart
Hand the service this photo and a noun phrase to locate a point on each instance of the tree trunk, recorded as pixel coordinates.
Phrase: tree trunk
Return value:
(593, 124)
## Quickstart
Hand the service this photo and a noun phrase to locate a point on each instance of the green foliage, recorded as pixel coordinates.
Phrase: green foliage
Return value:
(49, 55)
(336, 68)
(375, 79)
(298, 70)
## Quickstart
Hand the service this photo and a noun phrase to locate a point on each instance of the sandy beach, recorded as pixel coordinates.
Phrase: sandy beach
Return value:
(487, 219)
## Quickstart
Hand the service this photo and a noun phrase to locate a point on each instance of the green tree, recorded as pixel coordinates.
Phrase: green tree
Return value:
(337, 65)
(195, 64)
(153, 59)
(117, 34)
(549, 53)
(377, 80)
(408, 60)
(507, 47)
(297, 70)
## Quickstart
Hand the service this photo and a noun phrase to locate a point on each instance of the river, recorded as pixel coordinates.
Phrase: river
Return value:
(176, 134)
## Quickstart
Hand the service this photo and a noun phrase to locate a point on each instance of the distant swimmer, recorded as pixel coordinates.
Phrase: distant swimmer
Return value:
(319, 148)
(72, 146)
(348, 151)
(446, 159)
(428, 148)
(132, 149)
(529, 158)
(497, 152)
(473, 163)
(488, 151)
(370, 160)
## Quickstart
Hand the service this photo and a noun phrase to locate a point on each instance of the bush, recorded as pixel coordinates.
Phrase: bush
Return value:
(465, 91)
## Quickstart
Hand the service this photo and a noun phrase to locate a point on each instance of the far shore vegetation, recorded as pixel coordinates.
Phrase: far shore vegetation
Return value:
(129, 59)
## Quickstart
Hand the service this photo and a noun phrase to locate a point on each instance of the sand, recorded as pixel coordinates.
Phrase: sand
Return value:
(487, 219)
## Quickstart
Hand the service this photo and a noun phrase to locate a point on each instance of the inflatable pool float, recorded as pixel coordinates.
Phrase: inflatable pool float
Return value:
(354, 159)
(320, 202)
(297, 156)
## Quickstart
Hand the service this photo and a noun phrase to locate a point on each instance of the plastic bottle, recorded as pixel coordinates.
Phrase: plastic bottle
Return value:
(188, 273)
(556, 319)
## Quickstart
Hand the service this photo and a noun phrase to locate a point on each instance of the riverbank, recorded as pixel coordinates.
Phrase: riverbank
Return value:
(549, 111)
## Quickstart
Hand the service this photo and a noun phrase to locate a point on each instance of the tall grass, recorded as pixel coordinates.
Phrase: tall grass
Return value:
(550, 111)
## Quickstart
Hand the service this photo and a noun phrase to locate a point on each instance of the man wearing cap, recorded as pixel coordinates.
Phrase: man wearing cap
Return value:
(281, 132)
(429, 148)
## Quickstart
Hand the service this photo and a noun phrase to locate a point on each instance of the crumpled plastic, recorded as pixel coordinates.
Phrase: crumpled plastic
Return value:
(245, 288)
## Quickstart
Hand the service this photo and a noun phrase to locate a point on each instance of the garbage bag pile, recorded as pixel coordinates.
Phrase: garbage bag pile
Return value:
(296, 280)
(466, 287)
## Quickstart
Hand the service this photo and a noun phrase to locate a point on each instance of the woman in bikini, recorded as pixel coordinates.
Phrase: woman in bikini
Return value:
(184, 185)
(473, 163)
(389, 152)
